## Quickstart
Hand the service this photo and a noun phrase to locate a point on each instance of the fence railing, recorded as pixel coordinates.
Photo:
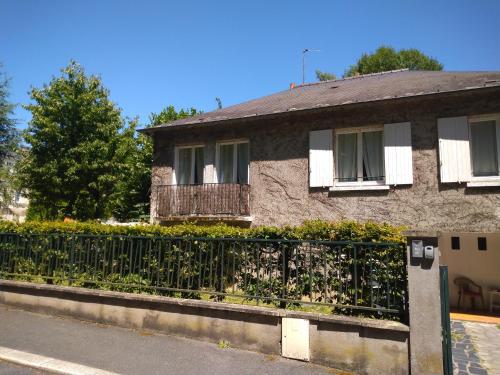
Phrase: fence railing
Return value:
(351, 277)
(204, 199)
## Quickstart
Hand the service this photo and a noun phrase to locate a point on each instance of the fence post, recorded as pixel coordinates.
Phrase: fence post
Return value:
(424, 305)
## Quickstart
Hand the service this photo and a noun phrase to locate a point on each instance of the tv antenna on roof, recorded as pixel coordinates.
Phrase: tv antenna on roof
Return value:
(304, 51)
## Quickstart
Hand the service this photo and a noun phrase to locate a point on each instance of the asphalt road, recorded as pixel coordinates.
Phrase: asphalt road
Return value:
(131, 352)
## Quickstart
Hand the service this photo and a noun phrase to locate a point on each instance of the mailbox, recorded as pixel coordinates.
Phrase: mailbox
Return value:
(429, 252)
(417, 248)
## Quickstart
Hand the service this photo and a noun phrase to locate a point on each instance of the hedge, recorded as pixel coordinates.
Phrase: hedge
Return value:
(309, 230)
(297, 272)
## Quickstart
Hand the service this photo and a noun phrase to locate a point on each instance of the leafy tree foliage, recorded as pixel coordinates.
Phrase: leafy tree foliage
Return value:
(86, 161)
(9, 142)
(384, 59)
(387, 58)
(131, 198)
(133, 190)
(324, 76)
(169, 114)
(76, 157)
(9, 137)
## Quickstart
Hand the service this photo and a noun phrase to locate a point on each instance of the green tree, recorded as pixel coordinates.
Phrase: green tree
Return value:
(75, 159)
(169, 114)
(9, 142)
(324, 76)
(132, 195)
(9, 136)
(387, 58)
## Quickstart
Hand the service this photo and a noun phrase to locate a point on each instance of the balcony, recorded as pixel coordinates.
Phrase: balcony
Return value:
(227, 202)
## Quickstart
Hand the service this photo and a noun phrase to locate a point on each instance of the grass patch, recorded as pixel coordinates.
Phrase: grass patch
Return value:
(272, 357)
(223, 344)
(457, 336)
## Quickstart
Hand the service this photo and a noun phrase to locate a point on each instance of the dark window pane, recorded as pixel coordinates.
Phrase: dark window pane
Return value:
(199, 164)
(455, 243)
(243, 161)
(484, 148)
(481, 243)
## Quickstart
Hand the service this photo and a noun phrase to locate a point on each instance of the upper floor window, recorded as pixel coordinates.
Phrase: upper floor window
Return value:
(189, 165)
(484, 141)
(232, 162)
(360, 156)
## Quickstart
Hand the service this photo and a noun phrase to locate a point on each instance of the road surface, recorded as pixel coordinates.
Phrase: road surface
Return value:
(132, 352)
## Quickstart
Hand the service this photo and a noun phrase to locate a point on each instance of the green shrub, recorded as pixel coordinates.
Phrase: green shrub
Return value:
(309, 230)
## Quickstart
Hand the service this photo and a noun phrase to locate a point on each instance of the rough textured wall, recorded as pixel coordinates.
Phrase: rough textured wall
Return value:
(279, 167)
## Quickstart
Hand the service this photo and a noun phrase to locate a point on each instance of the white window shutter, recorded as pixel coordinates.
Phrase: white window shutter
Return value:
(398, 156)
(454, 152)
(320, 158)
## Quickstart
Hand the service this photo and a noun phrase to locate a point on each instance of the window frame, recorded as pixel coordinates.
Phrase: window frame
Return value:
(193, 163)
(379, 184)
(235, 159)
(471, 120)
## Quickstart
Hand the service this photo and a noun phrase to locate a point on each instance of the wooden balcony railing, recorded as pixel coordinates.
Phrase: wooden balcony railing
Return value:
(204, 199)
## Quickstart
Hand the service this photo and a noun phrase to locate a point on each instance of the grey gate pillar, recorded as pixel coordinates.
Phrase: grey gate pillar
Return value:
(424, 304)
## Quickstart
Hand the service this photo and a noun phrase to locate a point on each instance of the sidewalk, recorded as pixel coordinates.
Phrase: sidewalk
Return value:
(475, 348)
(125, 351)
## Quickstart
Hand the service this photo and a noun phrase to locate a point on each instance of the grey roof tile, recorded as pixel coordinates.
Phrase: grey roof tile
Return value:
(365, 88)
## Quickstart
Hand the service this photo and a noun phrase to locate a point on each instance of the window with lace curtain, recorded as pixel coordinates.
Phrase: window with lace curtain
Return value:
(189, 165)
(360, 156)
(232, 162)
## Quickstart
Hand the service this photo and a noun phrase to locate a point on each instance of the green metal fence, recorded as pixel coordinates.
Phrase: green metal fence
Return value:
(445, 321)
(351, 277)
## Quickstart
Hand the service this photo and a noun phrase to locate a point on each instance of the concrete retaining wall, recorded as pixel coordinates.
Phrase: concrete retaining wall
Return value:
(364, 346)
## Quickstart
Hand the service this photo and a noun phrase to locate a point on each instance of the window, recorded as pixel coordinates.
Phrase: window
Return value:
(232, 162)
(484, 146)
(368, 158)
(469, 150)
(360, 157)
(455, 243)
(481, 243)
(189, 165)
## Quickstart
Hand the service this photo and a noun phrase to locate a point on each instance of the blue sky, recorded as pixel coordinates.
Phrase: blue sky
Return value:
(151, 54)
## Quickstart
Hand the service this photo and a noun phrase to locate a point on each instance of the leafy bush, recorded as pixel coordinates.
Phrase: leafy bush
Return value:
(188, 260)
(309, 230)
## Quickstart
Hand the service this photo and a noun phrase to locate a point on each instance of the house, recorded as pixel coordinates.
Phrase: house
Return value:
(17, 206)
(413, 148)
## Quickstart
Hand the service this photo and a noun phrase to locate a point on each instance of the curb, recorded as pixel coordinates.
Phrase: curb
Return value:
(52, 365)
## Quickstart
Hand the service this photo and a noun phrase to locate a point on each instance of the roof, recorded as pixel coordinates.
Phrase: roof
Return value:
(359, 89)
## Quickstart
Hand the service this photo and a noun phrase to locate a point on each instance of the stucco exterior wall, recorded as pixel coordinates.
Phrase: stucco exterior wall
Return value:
(280, 192)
